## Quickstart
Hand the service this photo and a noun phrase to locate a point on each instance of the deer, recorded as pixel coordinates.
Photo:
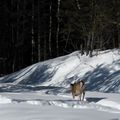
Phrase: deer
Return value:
(78, 89)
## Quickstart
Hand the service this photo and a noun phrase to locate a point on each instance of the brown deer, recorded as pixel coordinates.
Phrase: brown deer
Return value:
(78, 88)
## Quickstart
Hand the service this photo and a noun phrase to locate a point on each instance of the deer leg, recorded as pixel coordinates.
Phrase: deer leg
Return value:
(80, 97)
(73, 95)
(83, 95)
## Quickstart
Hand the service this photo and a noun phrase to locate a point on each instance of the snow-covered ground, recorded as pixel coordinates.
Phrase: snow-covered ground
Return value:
(40, 106)
(41, 91)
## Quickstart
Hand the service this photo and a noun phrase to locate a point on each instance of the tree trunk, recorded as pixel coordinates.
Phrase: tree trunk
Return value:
(92, 44)
(88, 44)
(39, 44)
(45, 46)
(78, 5)
(58, 27)
(32, 31)
(50, 29)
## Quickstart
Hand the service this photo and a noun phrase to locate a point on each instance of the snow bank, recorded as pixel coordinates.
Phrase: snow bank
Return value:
(103, 105)
(103, 70)
(109, 103)
(4, 100)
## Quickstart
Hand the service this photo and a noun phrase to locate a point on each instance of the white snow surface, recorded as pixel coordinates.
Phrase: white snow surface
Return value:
(103, 70)
(42, 106)
(42, 91)
(4, 100)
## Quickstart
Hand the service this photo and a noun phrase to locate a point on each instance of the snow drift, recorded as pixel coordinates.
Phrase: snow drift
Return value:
(4, 100)
(100, 72)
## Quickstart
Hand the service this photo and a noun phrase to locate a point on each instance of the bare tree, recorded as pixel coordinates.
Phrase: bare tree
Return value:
(58, 27)
(50, 28)
(39, 44)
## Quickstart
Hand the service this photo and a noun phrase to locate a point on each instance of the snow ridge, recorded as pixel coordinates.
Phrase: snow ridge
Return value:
(100, 72)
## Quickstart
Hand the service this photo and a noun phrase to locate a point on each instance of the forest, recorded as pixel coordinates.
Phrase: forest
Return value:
(36, 30)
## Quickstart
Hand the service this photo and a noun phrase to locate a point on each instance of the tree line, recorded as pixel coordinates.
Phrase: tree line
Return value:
(37, 30)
